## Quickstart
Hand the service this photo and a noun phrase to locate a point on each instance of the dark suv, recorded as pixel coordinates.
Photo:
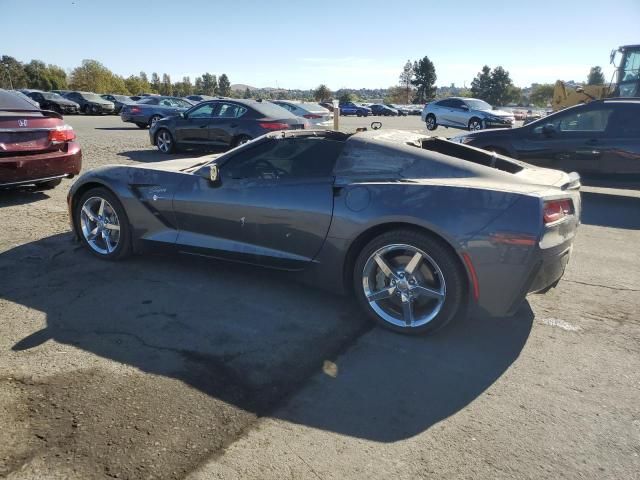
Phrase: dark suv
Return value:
(53, 101)
(600, 137)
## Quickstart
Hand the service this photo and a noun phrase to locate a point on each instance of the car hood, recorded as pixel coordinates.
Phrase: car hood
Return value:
(180, 165)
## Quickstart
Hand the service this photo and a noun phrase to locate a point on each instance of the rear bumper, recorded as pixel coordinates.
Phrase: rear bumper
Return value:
(133, 118)
(28, 169)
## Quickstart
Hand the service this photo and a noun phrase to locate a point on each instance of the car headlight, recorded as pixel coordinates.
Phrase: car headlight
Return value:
(461, 139)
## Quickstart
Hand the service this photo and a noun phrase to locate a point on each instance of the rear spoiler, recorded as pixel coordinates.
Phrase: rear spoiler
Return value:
(573, 183)
(46, 113)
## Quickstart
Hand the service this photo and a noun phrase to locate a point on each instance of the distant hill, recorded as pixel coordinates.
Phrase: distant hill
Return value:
(241, 87)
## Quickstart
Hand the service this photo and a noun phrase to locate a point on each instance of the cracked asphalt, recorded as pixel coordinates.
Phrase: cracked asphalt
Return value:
(171, 367)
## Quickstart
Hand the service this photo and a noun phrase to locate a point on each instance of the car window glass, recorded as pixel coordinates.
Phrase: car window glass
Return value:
(285, 158)
(624, 123)
(166, 103)
(631, 68)
(445, 103)
(203, 111)
(582, 121)
(181, 103)
(230, 110)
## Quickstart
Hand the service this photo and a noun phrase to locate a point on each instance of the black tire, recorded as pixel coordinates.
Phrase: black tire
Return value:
(154, 119)
(49, 184)
(455, 300)
(475, 124)
(431, 122)
(86, 109)
(142, 125)
(123, 249)
(165, 141)
(240, 140)
(358, 114)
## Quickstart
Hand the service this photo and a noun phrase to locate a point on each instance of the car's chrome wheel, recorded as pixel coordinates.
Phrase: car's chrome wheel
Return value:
(403, 285)
(475, 124)
(431, 122)
(164, 141)
(100, 225)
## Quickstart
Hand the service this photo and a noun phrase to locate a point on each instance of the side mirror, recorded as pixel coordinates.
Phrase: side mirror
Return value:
(548, 129)
(182, 115)
(213, 173)
(464, 107)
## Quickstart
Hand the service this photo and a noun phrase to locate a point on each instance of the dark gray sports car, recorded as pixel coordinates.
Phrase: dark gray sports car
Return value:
(417, 228)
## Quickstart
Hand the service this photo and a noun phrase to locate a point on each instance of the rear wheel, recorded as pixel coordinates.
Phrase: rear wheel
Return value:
(475, 124)
(431, 122)
(409, 282)
(164, 141)
(103, 225)
(86, 109)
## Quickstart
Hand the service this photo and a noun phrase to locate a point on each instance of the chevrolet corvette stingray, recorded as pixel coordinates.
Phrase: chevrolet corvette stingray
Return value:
(421, 230)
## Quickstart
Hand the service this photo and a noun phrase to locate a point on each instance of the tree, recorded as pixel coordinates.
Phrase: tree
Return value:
(406, 79)
(425, 80)
(155, 83)
(44, 77)
(95, 77)
(395, 94)
(322, 93)
(166, 87)
(224, 85)
(134, 85)
(596, 77)
(346, 96)
(247, 93)
(209, 84)
(198, 85)
(481, 85)
(12, 73)
(541, 95)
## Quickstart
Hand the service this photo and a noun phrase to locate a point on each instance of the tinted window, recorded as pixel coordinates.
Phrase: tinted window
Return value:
(202, 111)
(285, 158)
(230, 110)
(624, 121)
(268, 109)
(11, 101)
(445, 103)
(149, 101)
(579, 121)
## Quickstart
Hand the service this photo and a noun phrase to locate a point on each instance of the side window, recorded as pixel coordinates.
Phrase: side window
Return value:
(582, 121)
(445, 103)
(230, 110)
(285, 106)
(456, 103)
(286, 158)
(203, 111)
(166, 103)
(624, 122)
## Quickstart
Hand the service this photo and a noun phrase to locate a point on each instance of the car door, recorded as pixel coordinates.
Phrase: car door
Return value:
(443, 112)
(272, 205)
(225, 122)
(458, 114)
(193, 127)
(620, 146)
(568, 141)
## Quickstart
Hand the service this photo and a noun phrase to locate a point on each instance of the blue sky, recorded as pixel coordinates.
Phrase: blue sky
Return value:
(302, 43)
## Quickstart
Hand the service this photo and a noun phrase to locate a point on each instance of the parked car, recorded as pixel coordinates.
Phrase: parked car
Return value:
(53, 101)
(600, 137)
(420, 230)
(384, 110)
(314, 114)
(62, 93)
(118, 101)
(351, 108)
(327, 105)
(402, 111)
(147, 111)
(91, 103)
(24, 96)
(195, 99)
(415, 109)
(466, 113)
(36, 147)
(226, 123)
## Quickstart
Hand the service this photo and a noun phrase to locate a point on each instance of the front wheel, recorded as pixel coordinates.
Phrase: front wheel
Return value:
(431, 122)
(153, 120)
(409, 282)
(103, 225)
(164, 141)
(475, 124)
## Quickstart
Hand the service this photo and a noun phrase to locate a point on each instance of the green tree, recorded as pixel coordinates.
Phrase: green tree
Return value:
(501, 86)
(93, 76)
(395, 94)
(596, 77)
(346, 96)
(57, 77)
(425, 80)
(134, 85)
(166, 87)
(12, 73)
(322, 93)
(197, 86)
(406, 79)
(155, 83)
(541, 95)
(224, 85)
(209, 84)
(481, 85)
(247, 93)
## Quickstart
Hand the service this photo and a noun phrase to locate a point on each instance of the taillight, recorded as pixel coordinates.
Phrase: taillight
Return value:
(556, 210)
(62, 134)
(274, 125)
(312, 115)
(135, 110)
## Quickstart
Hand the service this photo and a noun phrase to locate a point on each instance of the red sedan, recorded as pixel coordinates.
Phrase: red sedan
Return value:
(36, 146)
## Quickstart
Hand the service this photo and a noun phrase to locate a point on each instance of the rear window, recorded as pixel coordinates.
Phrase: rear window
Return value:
(271, 110)
(469, 154)
(12, 101)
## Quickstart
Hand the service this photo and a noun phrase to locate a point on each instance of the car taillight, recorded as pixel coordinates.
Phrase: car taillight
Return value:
(556, 210)
(62, 134)
(135, 110)
(274, 125)
(312, 115)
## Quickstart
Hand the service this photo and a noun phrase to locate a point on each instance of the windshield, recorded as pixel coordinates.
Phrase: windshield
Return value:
(93, 97)
(478, 104)
(52, 96)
